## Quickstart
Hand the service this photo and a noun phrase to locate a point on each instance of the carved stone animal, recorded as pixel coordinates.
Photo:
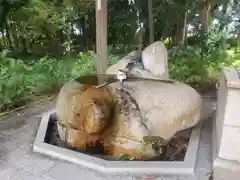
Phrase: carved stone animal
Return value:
(87, 114)
(121, 119)
(85, 109)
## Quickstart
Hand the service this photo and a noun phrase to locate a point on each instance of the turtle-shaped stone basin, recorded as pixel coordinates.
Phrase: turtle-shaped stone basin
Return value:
(134, 119)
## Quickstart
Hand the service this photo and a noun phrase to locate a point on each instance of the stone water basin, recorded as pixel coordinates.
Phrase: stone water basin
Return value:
(48, 142)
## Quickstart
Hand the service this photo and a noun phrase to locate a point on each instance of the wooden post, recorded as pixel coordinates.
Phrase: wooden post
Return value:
(101, 36)
(151, 22)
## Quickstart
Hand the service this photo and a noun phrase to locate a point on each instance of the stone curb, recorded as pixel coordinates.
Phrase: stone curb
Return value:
(185, 167)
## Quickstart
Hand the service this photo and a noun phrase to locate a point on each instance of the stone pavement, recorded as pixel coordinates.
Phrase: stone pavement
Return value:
(18, 162)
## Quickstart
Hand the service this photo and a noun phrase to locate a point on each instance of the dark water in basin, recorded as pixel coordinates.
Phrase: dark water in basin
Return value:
(95, 79)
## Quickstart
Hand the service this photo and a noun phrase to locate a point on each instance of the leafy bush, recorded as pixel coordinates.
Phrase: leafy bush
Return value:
(20, 80)
(200, 63)
(185, 64)
(14, 84)
(234, 53)
(48, 75)
(214, 48)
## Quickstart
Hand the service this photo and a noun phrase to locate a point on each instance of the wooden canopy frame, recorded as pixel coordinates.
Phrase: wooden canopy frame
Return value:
(101, 33)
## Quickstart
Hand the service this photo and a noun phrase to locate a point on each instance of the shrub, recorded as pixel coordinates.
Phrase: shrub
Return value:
(21, 81)
(185, 64)
(200, 63)
(14, 82)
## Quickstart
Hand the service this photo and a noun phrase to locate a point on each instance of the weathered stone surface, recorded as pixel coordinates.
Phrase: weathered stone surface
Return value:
(153, 62)
(85, 109)
(121, 64)
(155, 59)
(139, 72)
(143, 108)
(89, 118)
(165, 108)
(10, 170)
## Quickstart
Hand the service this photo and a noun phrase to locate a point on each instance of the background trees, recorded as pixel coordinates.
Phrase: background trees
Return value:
(51, 41)
(43, 27)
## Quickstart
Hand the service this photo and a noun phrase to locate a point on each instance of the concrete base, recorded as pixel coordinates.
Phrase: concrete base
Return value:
(226, 127)
(223, 169)
(186, 167)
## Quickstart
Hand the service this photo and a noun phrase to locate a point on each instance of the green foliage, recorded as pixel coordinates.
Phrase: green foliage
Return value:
(234, 53)
(50, 74)
(13, 82)
(8, 6)
(200, 63)
(125, 157)
(44, 31)
(21, 81)
(185, 64)
(213, 47)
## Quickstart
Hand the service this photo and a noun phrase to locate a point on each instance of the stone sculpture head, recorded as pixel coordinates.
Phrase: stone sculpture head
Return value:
(96, 109)
(155, 59)
(152, 62)
(96, 116)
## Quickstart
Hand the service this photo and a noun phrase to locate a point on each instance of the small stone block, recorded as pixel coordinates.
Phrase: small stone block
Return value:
(232, 75)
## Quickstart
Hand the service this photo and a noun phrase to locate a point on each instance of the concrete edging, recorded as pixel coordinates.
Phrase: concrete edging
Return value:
(185, 167)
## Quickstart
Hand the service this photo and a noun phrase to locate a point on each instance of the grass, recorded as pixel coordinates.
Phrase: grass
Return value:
(22, 81)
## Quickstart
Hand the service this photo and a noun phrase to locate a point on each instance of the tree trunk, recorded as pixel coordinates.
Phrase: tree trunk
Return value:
(180, 30)
(225, 12)
(91, 30)
(151, 22)
(73, 34)
(24, 45)
(8, 35)
(184, 34)
(17, 45)
(205, 14)
(4, 41)
(84, 34)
